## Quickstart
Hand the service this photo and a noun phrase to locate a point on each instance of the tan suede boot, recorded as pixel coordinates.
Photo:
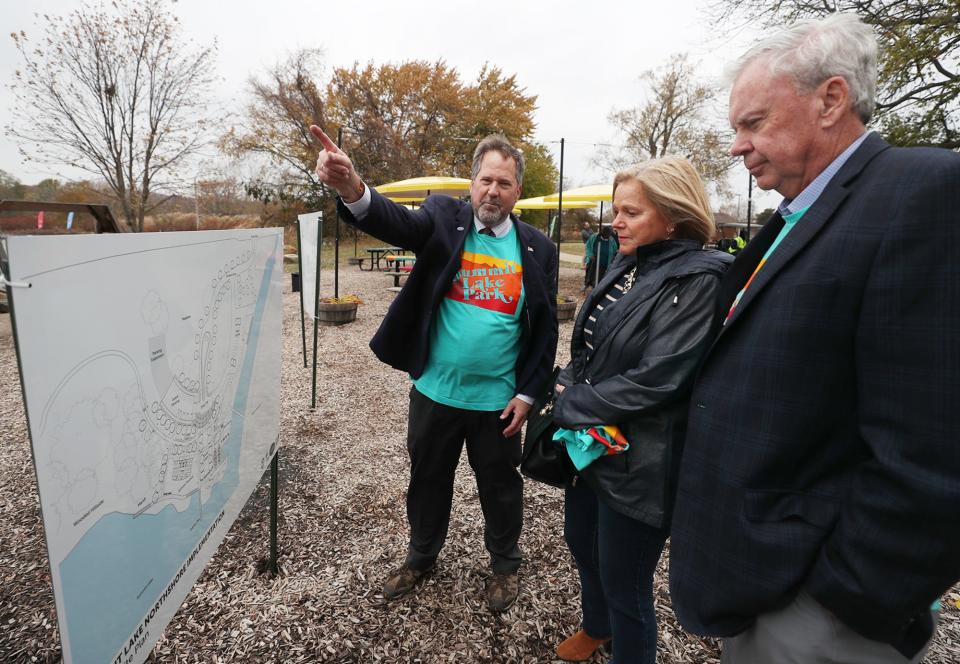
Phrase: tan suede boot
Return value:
(579, 647)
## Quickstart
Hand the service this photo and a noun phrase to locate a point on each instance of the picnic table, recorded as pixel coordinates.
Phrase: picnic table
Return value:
(399, 267)
(378, 253)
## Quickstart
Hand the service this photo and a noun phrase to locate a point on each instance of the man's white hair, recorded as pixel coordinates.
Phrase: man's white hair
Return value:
(811, 51)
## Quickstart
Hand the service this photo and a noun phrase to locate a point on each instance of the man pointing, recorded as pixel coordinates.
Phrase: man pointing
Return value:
(475, 327)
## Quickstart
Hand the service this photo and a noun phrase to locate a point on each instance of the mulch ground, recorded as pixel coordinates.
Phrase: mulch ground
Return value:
(343, 474)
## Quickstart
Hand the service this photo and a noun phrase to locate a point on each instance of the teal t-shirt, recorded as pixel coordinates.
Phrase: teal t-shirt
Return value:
(475, 336)
(789, 221)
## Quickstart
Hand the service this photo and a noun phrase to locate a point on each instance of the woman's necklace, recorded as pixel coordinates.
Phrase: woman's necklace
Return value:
(631, 277)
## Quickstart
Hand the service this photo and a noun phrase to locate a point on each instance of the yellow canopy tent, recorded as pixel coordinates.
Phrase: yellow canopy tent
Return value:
(594, 193)
(409, 201)
(420, 188)
(541, 203)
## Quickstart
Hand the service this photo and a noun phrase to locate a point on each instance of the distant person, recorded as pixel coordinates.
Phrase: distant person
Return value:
(819, 491)
(475, 326)
(599, 251)
(733, 245)
(585, 232)
(741, 240)
(637, 343)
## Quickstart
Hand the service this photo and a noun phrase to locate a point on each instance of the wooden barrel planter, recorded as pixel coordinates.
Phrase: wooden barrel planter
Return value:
(566, 309)
(336, 313)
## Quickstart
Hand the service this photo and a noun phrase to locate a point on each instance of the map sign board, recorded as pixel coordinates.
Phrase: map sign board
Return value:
(150, 365)
(310, 225)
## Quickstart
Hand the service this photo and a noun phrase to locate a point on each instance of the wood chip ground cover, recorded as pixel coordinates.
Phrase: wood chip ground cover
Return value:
(343, 472)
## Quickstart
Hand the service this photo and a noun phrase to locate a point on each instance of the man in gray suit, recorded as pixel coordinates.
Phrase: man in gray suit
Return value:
(816, 515)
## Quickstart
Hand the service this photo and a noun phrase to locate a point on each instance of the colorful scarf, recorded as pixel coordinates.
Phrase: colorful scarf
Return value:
(585, 446)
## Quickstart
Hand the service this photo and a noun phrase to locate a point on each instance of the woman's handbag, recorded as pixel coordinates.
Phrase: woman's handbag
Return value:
(544, 459)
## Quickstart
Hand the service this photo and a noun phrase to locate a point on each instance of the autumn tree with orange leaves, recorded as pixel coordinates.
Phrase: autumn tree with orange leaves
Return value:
(399, 120)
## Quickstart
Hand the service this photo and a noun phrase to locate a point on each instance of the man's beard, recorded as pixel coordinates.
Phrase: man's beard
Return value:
(489, 216)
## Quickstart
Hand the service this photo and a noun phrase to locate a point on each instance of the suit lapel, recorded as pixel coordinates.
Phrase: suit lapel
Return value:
(464, 221)
(805, 230)
(534, 285)
(746, 262)
(457, 238)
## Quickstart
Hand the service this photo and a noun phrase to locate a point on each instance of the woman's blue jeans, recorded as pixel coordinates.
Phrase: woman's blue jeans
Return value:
(616, 557)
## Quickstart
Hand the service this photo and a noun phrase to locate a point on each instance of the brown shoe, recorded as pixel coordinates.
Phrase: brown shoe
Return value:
(402, 581)
(579, 647)
(502, 591)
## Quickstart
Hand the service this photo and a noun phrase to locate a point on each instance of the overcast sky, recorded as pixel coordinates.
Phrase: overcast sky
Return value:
(581, 59)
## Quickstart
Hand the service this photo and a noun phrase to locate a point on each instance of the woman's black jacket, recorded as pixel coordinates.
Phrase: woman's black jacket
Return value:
(647, 347)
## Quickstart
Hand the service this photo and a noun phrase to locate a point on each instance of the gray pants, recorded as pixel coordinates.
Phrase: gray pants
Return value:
(804, 632)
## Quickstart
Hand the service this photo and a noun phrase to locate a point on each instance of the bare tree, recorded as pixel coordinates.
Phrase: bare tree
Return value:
(673, 120)
(115, 92)
(276, 127)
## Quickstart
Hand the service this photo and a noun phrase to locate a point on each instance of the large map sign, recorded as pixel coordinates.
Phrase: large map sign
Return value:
(151, 374)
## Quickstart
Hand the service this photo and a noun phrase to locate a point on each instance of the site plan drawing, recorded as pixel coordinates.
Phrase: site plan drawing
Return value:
(151, 374)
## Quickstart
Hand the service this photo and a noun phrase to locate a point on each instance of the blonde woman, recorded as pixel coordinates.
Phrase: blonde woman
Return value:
(636, 345)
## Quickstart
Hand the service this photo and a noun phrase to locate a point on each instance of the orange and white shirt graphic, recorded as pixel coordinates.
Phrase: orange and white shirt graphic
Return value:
(488, 282)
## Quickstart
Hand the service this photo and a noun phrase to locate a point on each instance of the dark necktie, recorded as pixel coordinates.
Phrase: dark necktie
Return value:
(486, 231)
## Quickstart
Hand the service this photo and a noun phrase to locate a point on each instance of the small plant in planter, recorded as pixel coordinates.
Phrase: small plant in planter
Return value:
(337, 310)
(342, 300)
(566, 308)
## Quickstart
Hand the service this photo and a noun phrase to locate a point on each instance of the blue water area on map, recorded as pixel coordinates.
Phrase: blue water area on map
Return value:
(117, 557)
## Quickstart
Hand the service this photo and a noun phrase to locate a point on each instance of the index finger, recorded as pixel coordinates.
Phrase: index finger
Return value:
(325, 141)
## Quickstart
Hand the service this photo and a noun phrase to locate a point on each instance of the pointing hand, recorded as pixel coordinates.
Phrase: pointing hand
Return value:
(335, 169)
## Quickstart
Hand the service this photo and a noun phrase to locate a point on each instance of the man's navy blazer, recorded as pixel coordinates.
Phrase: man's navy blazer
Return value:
(436, 233)
(823, 450)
